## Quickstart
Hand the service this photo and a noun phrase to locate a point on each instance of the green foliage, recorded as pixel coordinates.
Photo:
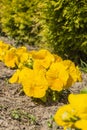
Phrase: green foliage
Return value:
(50, 122)
(15, 115)
(83, 66)
(20, 115)
(84, 90)
(59, 24)
(66, 27)
(19, 20)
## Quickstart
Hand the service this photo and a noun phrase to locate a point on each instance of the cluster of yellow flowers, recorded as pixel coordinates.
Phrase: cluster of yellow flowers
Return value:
(74, 114)
(38, 71)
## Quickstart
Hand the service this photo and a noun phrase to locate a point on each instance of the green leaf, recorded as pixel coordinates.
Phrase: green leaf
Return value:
(44, 99)
(15, 115)
(84, 90)
(83, 66)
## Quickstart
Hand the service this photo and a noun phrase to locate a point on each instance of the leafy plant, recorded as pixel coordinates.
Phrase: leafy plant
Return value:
(65, 28)
(50, 122)
(57, 25)
(84, 90)
(83, 66)
(15, 114)
(20, 115)
(19, 20)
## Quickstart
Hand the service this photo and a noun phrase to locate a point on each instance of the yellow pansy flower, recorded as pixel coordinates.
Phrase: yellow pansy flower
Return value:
(24, 57)
(57, 58)
(79, 74)
(65, 116)
(78, 102)
(40, 54)
(81, 124)
(2, 53)
(21, 51)
(3, 48)
(24, 72)
(25, 60)
(73, 70)
(82, 115)
(44, 56)
(74, 73)
(74, 114)
(11, 59)
(37, 65)
(34, 85)
(15, 77)
(22, 54)
(57, 76)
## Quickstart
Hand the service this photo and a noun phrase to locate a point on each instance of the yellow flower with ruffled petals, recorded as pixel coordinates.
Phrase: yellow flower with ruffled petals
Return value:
(15, 77)
(81, 106)
(44, 56)
(34, 85)
(57, 76)
(3, 48)
(65, 116)
(74, 114)
(81, 124)
(74, 73)
(21, 50)
(10, 58)
(57, 58)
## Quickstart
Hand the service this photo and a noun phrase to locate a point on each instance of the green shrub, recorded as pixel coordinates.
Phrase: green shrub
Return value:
(66, 27)
(19, 19)
(59, 24)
